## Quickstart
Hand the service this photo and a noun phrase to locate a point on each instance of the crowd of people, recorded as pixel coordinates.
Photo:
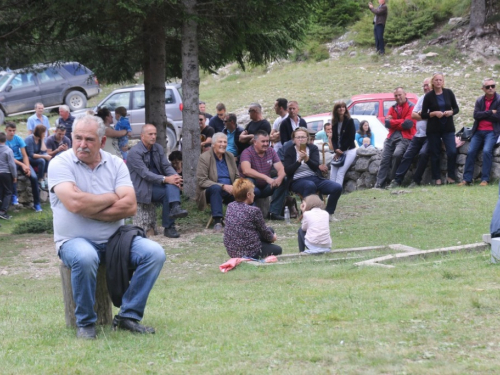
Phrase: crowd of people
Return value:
(92, 191)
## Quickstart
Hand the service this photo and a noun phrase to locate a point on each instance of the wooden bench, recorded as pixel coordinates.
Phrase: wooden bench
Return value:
(103, 305)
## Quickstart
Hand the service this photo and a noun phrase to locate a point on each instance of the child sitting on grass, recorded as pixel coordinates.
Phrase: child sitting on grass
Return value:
(8, 176)
(314, 234)
(123, 124)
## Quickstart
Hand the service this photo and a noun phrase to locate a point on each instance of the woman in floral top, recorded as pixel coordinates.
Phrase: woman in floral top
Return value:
(246, 233)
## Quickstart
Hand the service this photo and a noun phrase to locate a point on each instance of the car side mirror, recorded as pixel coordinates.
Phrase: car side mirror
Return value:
(8, 88)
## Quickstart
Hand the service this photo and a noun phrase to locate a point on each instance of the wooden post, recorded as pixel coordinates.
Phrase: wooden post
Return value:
(146, 218)
(103, 304)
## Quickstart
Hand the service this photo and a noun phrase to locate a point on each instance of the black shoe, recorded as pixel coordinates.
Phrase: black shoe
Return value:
(177, 212)
(171, 232)
(3, 215)
(131, 325)
(272, 216)
(87, 332)
(394, 184)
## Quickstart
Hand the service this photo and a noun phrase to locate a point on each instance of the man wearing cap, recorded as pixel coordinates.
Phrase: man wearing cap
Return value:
(58, 142)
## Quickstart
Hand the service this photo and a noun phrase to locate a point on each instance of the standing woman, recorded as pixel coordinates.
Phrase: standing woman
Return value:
(342, 141)
(438, 108)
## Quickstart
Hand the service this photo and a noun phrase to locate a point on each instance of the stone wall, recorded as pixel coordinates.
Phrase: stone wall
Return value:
(24, 193)
(363, 172)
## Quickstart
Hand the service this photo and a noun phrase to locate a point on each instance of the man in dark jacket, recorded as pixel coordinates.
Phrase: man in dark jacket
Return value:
(485, 133)
(292, 122)
(155, 180)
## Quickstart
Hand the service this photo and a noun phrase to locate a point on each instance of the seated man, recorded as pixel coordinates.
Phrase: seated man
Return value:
(215, 173)
(256, 163)
(233, 131)
(58, 142)
(18, 146)
(206, 131)
(324, 134)
(86, 215)
(155, 180)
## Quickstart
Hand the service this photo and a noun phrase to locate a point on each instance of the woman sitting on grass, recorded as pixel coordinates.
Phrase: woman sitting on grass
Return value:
(246, 233)
(314, 234)
(364, 132)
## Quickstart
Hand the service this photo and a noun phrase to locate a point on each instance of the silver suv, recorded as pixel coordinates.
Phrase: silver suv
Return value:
(132, 98)
(51, 84)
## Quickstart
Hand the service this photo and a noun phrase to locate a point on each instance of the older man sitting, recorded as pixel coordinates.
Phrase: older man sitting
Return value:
(216, 173)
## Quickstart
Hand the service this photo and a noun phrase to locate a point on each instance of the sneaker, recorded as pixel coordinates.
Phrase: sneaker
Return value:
(43, 185)
(86, 333)
(413, 185)
(4, 216)
(333, 219)
(218, 228)
(132, 325)
(15, 201)
(394, 184)
(483, 183)
(171, 232)
(378, 186)
(37, 208)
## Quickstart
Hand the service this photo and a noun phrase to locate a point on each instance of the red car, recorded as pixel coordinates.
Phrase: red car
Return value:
(375, 104)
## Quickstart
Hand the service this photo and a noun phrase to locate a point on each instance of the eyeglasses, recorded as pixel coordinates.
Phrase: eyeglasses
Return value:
(300, 137)
(489, 87)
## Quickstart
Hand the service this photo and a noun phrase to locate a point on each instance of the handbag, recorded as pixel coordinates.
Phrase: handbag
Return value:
(465, 133)
(339, 162)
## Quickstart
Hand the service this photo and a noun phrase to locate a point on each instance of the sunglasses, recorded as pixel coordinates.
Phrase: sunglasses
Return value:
(489, 87)
(201, 120)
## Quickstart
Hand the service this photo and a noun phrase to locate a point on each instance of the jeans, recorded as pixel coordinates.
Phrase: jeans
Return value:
(378, 31)
(278, 195)
(41, 166)
(83, 258)
(310, 185)
(486, 139)
(216, 197)
(166, 194)
(418, 146)
(301, 238)
(6, 189)
(394, 149)
(435, 150)
(34, 184)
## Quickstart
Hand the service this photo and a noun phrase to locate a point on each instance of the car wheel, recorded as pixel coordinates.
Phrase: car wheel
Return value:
(171, 140)
(2, 117)
(76, 100)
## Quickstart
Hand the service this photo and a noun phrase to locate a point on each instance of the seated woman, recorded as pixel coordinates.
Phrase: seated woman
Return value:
(37, 154)
(246, 233)
(302, 169)
(364, 132)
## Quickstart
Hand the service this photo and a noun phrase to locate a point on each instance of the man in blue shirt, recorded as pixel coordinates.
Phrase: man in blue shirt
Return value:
(66, 119)
(232, 131)
(38, 119)
(323, 134)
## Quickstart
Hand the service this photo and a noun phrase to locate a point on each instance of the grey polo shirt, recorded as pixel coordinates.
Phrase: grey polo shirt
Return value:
(110, 174)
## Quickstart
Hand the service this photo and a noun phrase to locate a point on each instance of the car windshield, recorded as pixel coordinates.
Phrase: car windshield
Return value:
(4, 78)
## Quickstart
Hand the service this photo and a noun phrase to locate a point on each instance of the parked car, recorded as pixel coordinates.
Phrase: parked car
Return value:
(67, 83)
(315, 123)
(375, 104)
(132, 98)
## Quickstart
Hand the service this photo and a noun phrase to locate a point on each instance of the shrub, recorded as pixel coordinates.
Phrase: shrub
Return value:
(41, 224)
(313, 50)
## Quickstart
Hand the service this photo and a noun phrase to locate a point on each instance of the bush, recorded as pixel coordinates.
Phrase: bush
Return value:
(311, 51)
(41, 224)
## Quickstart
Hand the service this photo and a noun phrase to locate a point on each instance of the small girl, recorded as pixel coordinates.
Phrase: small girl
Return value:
(123, 124)
(314, 234)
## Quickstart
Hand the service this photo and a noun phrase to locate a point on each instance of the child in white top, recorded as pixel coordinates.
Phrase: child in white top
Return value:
(314, 234)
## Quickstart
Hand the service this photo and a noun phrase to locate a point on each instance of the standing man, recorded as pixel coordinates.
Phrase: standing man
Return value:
(257, 123)
(281, 109)
(256, 163)
(485, 133)
(22, 161)
(86, 214)
(232, 131)
(203, 107)
(401, 131)
(66, 119)
(292, 122)
(379, 22)
(217, 122)
(58, 142)
(206, 131)
(418, 146)
(38, 119)
(155, 180)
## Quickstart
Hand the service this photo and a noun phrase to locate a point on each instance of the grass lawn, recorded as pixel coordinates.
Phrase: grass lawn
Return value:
(430, 316)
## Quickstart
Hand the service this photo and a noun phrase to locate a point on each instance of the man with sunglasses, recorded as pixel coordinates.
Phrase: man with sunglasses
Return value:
(258, 123)
(217, 121)
(205, 130)
(485, 133)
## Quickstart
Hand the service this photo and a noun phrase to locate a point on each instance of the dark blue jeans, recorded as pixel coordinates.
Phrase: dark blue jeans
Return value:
(310, 185)
(6, 189)
(216, 197)
(486, 139)
(378, 30)
(418, 146)
(41, 166)
(435, 151)
(166, 194)
(278, 195)
(34, 184)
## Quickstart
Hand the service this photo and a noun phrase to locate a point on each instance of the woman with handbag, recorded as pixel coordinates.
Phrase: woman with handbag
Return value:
(438, 108)
(341, 140)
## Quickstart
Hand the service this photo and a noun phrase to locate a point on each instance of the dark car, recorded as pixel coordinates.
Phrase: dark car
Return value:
(67, 83)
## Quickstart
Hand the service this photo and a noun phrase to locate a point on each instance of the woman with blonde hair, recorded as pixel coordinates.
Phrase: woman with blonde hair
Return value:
(246, 233)
(314, 233)
(438, 108)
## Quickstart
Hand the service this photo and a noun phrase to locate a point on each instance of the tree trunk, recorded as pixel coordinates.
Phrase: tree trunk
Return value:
(190, 91)
(147, 71)
(157, 61)
(146, 218)
(477, 15)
